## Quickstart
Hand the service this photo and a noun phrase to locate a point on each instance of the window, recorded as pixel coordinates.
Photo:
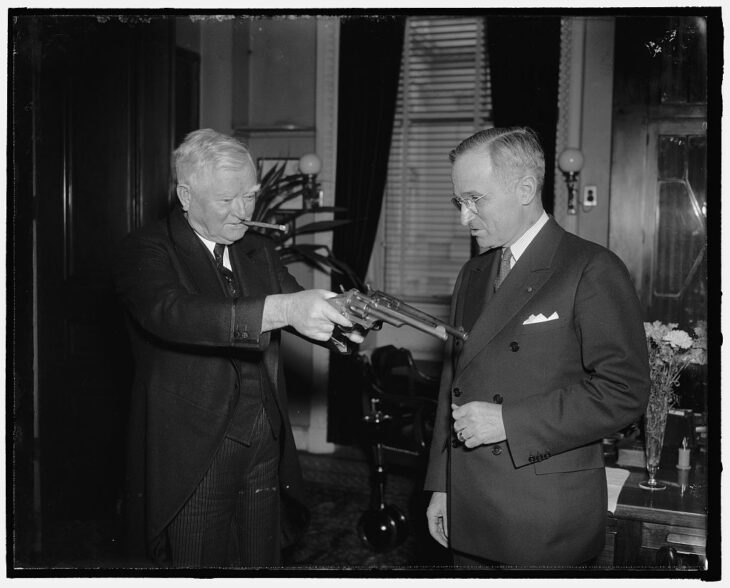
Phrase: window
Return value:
(443, 97)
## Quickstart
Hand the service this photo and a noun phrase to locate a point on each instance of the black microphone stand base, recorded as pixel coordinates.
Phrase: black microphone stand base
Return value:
(382, 527)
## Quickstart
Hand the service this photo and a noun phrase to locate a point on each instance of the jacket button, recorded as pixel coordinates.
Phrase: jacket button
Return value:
(457, 392)
(529, 289)
(514, 346)
(498, 399)
(496, 450)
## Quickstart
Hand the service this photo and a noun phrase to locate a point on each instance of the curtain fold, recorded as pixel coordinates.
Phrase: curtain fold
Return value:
(370, 56)
(524, 61)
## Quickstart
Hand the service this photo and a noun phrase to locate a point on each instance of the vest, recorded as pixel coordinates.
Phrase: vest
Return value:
(251, 399)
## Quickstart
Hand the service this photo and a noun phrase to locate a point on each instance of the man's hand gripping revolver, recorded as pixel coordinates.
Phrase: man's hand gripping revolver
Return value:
(371, 310)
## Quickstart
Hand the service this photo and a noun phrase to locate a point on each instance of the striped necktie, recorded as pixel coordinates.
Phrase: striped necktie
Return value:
(504, 267)
(223, 270)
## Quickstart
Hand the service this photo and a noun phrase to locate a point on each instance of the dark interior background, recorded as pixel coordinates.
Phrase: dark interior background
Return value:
(96, 105)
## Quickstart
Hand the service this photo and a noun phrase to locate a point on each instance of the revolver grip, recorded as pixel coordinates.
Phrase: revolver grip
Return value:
(340, 342)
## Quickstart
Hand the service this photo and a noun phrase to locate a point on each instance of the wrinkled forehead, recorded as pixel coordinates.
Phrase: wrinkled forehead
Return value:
(244, 171)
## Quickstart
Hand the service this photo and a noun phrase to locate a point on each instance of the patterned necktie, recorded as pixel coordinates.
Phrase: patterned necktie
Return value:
(223, 270)
(504, 267)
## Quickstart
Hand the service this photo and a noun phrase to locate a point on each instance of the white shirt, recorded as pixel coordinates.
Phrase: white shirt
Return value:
(519, 246)
(211, 245)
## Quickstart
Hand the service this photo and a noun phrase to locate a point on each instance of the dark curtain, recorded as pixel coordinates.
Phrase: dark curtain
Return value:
(524, 59)
(370, 56)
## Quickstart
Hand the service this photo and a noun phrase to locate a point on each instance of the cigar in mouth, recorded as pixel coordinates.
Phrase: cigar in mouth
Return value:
(264, 225)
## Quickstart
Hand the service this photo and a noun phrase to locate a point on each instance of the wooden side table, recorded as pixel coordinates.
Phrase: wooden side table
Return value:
(659, 529)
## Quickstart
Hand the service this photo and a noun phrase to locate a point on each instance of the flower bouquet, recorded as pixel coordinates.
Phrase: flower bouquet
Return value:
(670, 351)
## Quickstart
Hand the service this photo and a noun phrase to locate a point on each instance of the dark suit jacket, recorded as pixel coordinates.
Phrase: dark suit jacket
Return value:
(540, 497)
(185, 334)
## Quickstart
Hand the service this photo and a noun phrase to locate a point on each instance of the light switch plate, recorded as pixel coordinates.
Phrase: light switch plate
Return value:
(590, 196)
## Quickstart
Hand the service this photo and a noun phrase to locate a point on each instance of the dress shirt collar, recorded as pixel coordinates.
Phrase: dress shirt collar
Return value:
(211, 245)
(519, 246)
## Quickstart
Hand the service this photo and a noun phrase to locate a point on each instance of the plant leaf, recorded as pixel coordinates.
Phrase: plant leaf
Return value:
(295, 214)
(321, 262)
(291, 255)
(274, 185)
(284, 198)
(277, 189)
(308, 254)
(309, 247)
(318, 226)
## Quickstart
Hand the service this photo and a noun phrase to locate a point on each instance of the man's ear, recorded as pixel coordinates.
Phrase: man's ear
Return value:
(183, 195)
(526, 189)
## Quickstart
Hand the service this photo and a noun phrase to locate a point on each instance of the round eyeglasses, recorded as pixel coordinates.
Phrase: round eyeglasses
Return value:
(470, 202)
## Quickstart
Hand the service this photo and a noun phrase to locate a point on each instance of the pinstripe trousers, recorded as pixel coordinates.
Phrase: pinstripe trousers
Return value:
(232, 519)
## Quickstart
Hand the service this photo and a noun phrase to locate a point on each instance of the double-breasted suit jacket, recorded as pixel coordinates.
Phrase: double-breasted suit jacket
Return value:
(195, 351)
(539, 498)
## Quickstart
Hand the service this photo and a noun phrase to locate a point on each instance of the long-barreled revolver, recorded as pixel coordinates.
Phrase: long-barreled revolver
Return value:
(373, 309)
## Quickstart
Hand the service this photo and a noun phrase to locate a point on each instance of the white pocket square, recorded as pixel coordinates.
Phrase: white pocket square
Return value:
(540, 318)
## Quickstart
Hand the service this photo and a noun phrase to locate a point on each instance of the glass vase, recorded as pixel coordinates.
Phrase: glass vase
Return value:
(655, 422)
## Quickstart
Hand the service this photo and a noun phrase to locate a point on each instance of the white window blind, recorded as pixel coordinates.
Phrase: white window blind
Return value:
(443, 97)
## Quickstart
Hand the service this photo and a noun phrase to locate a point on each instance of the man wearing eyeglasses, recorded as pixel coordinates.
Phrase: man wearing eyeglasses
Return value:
(556, 360)
(211, 446)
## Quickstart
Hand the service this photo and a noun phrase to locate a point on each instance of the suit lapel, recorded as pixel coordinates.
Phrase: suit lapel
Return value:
(527, 277)
(194, 255)
(252, 272)
(477, 290)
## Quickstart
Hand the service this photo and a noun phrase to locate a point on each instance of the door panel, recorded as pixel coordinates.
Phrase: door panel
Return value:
(101, 133)
(676, 214)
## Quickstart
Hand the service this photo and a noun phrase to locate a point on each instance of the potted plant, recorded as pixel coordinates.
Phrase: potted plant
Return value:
(276, 191)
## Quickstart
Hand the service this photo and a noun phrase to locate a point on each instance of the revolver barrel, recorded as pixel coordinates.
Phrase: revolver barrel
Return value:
(419, 315)
(378, 306)
(377, 311)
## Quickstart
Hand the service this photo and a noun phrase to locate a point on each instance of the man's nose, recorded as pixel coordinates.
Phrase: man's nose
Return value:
(239, 208)
(465, 215)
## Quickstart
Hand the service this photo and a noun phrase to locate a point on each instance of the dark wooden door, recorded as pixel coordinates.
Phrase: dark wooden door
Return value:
(659, 183)
(662, 194)
(94, 115)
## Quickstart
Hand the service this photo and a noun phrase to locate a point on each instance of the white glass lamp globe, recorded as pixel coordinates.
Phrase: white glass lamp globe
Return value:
(571, 160)
(310, 164)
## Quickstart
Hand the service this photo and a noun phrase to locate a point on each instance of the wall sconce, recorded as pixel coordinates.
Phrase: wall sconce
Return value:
(570, 163)
(310, 165)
